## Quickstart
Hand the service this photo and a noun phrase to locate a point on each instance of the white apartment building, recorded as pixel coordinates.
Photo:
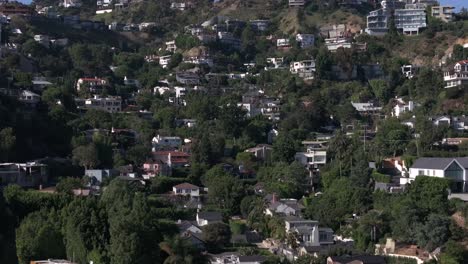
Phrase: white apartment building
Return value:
(410, 20)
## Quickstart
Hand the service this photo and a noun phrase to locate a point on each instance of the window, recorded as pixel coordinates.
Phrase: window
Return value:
(420, 172)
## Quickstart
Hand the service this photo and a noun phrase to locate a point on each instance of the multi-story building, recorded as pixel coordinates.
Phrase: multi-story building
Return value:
(458, 77)
(304, 69)
(111, 104)
(410, 20)
(444, 13)
(377, 22)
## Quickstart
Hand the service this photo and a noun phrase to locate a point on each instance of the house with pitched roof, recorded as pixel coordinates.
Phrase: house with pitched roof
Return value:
(458, 76)
(206, 218)
(186, 189)
(453, 169)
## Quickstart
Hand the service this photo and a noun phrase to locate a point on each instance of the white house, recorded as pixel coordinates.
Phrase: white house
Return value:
(162, 142)
(454, 169)
(312, 158)
(401, 107)
(458, 77)
(442, 121)
(304, 69)
(93, 84)
(186, 189)
(111, 104)
(29, 97)
(164, 61)
(275, 63)
(44, 40)
(283, 43)
(171, 46)
(308, 230)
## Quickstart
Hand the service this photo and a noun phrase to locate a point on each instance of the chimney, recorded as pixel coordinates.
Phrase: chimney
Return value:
(40, 186)
(273, 199)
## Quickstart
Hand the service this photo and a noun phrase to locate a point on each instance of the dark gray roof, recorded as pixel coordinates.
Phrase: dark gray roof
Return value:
(211, 216)
(364, 259)
(251, 259)
(438, 163)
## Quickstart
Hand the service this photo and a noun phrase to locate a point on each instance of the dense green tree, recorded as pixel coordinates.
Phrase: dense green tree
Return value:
(7, 143)
(286, 180)
(39, 237)
(216, 235)
(284, 148)
(86, 156)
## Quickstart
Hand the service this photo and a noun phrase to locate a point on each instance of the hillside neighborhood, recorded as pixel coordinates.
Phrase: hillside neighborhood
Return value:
(233, 132)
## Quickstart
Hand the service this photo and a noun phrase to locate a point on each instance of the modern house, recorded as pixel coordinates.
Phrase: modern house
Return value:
(111, 104)
(164, 61)
(186, 189)
(188, 78)
(304, 69)
(261, 152)
(98, 175)
(458, 77)
(454, 169)
(367, 108)
(444, 13)
(274, 63)
(30, 174)
(206, 218)
(171, 46)
(94, 85)
(400, 107)
(283, 43)
(312, 159)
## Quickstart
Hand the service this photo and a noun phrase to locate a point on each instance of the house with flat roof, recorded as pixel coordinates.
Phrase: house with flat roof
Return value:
(444, 13)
